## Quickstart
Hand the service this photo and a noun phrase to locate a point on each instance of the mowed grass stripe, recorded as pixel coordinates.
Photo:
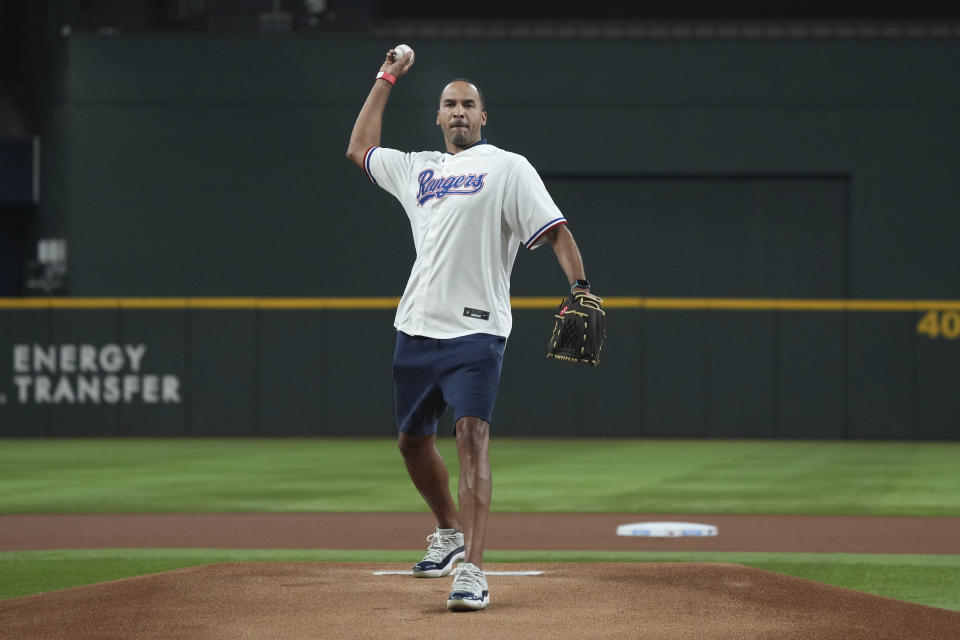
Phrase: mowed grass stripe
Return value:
(923, 579)
(598, 476)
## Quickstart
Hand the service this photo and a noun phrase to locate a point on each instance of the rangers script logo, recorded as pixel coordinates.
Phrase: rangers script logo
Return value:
(439, 188)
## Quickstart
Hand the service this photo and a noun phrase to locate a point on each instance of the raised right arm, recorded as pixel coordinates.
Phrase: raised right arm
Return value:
(366, 130)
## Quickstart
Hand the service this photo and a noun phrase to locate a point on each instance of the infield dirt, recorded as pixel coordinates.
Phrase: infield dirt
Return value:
(514, 531)
(329, 600)
(676, 601)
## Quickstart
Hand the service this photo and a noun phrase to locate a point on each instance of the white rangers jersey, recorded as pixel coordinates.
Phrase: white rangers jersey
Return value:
(469, 214)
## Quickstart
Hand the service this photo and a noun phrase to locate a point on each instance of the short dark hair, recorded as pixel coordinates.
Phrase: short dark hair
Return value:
(483, 101)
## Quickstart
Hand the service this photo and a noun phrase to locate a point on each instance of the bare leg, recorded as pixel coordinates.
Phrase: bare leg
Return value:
(476, 486)
(430, 477)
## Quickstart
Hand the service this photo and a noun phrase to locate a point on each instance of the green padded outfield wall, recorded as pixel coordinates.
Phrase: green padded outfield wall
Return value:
(698, 171)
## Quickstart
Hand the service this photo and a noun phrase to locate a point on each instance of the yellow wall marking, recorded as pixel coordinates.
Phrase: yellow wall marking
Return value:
(612, 302)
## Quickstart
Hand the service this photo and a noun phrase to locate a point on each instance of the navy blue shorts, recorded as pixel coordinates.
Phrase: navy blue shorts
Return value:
(429, 374)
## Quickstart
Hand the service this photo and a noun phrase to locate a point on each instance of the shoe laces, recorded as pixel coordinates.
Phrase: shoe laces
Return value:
(468, 577)
(439, 545)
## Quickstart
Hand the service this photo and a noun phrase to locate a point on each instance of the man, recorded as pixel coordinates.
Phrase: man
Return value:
(469, 209)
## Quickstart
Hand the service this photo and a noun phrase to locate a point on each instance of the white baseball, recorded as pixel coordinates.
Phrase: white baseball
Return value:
(401, 50)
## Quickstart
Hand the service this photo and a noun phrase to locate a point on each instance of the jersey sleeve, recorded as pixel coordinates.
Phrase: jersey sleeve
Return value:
(388, 168)
(529, 210)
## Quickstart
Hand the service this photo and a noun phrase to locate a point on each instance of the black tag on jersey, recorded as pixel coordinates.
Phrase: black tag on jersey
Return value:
(475, 313)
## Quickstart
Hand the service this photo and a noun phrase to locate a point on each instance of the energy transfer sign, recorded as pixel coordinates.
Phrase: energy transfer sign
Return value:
(86, 374)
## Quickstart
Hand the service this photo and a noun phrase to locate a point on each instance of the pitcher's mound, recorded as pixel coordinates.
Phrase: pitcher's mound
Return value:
(346, 600)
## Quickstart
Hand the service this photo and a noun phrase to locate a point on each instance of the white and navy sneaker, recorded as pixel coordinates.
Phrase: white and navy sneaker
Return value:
(470, 592)
(446, 547)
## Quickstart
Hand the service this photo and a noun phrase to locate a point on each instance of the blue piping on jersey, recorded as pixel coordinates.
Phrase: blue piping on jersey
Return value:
(366, 163)
(542, 230)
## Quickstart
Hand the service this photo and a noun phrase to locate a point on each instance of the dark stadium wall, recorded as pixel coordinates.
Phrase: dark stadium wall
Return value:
(204, 166)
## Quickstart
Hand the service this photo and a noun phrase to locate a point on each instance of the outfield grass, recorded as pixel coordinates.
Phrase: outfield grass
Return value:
(923, 579)
(303, 475)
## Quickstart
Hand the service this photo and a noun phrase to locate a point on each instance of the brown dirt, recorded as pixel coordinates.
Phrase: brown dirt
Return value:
(345, 600)
(520, 531)
(328, 600)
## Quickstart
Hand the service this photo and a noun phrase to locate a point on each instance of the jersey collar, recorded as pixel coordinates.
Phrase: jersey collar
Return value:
(475, 144)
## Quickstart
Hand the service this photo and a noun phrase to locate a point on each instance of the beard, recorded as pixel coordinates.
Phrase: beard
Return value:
(460, 136)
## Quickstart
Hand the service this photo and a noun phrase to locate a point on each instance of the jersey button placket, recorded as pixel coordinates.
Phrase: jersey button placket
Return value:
(429, 263)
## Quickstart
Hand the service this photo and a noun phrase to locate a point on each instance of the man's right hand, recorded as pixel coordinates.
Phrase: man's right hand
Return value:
(397, 67)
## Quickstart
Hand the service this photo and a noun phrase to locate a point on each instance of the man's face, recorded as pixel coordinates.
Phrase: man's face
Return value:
(461, 115)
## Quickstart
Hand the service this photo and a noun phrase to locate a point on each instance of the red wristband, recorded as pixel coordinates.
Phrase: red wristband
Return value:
(389, 77)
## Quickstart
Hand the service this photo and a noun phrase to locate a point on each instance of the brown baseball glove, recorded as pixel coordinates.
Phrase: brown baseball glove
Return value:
(579, 330)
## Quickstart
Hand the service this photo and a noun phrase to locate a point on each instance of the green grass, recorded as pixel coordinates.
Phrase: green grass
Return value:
(310, 475)
(923, 579)
(631, 476)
